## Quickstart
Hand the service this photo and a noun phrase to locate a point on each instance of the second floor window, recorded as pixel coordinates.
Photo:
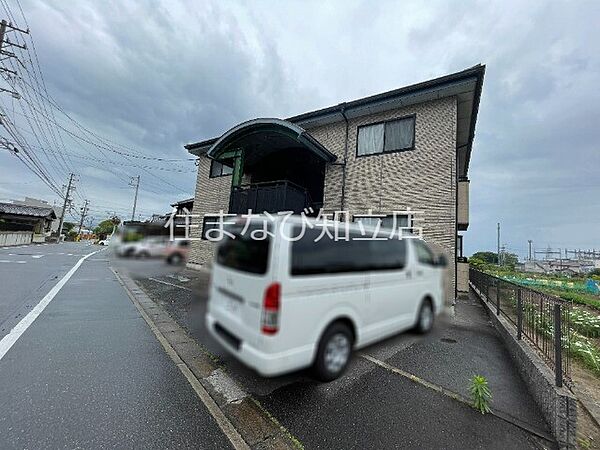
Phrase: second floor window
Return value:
(218, 169)
(390, 136)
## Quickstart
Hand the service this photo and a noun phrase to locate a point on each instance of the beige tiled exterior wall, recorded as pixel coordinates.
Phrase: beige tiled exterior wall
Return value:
(423, 179)
(212, 195)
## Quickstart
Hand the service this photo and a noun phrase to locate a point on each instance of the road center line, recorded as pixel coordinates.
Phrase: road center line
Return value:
(9, 340)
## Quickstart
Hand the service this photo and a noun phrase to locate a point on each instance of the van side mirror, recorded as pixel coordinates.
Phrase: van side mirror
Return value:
(442, 261)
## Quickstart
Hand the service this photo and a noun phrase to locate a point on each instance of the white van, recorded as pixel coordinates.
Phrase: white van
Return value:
(284, 303)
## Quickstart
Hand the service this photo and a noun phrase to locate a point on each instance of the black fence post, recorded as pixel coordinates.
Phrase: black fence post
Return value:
(557, 346)
(497, 298)
(519, 314)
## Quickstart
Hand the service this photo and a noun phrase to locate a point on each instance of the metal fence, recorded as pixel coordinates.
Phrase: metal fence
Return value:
(541, 318)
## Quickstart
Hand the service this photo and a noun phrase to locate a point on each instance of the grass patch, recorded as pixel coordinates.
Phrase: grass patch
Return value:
(576, 297)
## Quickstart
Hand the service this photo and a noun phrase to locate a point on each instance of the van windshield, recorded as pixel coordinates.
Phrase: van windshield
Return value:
(247, 252)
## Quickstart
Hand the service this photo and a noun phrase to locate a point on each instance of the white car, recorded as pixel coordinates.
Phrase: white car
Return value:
(127, 248)
(279, 306)
(104, 242)
(146, 248)
(150, 247)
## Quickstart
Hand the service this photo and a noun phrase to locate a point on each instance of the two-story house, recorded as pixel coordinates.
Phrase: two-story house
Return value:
(404, 149)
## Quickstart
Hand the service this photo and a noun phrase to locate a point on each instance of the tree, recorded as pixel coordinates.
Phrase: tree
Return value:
(106, 227)
(509, 259)
(67, 227)
(487, 257)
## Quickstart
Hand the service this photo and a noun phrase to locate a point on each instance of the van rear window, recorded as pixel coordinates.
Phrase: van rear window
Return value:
(242, 252)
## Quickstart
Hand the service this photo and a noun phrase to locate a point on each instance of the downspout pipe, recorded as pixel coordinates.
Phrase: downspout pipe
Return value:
(343, 113)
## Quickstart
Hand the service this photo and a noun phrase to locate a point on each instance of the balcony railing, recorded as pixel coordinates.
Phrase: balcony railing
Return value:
(271, 196)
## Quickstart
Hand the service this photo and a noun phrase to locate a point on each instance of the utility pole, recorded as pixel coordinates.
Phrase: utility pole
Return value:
(560, 258)
(498, 247)
(5, 28)
(529, 242)
(3, 25)
(83, 214)
(64, 208)
(135, 181)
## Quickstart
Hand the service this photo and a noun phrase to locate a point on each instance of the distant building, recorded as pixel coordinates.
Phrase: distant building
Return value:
(560, 266)
(30, 201)
(21, 224)
(183, 205)
(158, 224)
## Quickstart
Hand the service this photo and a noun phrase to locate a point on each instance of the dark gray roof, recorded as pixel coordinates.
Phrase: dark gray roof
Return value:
(31, 211)
(183, 202)
(466, 85)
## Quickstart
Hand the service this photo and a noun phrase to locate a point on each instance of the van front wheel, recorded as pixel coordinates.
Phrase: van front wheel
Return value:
(333, 352)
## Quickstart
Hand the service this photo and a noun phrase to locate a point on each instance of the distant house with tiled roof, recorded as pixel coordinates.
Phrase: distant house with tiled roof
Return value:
(23, 224)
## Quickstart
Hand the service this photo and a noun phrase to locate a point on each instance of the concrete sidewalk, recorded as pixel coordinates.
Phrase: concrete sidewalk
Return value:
(377, 403)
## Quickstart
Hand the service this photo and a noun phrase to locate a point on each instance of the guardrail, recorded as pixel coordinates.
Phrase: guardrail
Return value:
(542, 319)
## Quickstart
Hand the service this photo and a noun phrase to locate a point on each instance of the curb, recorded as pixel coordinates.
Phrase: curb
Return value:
(241, 417)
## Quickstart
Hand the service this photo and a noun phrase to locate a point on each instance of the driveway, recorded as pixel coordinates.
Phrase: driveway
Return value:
(396, 394)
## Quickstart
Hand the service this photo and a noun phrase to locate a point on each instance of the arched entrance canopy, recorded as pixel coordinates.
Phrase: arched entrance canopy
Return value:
(260, 135)
(249, 142)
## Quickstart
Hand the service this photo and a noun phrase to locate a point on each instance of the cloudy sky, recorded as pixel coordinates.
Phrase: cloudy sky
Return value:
(151, 76)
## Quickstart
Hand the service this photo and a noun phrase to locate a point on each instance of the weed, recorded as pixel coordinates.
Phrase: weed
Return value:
(480, 393)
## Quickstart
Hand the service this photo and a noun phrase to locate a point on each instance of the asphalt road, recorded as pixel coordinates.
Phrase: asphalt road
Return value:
(88, 372)
(28, 272)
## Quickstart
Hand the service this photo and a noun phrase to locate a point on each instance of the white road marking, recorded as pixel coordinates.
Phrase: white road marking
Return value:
(36, 256)
(169, 284)
(9, 340)
(14, 262)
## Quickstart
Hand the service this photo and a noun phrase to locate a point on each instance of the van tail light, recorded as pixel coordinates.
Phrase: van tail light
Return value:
(271, 307)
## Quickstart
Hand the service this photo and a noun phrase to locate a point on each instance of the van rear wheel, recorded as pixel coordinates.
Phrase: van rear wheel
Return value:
(333, 352)
(425, 318)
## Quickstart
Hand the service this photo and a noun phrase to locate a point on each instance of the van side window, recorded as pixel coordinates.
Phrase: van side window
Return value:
(326, 255)
(330, 256)
(387, 255)
(424, 254)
